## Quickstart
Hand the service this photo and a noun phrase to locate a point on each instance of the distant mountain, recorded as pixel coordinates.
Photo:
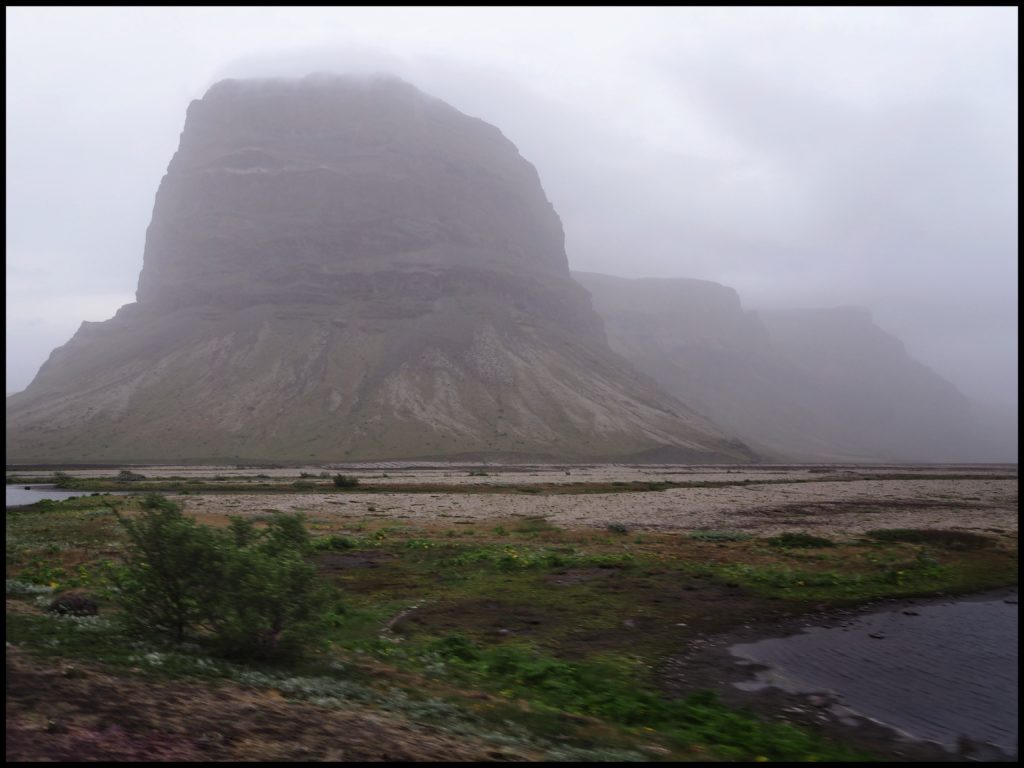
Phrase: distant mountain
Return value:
(349, 269)
(813, 385)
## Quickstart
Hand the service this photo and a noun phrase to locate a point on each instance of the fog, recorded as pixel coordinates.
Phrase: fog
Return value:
(805, 157)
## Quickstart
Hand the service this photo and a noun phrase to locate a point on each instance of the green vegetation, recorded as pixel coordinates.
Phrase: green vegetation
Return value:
(938, 538)
(345, 481)
(550, 638)
(802, 540)
(249, 592)
(608, 691)
(720, 536)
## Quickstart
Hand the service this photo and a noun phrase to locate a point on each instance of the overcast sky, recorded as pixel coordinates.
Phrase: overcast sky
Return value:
(805, 157)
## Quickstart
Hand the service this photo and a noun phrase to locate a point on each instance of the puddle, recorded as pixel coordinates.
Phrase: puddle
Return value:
(942, 672)
(21, 495)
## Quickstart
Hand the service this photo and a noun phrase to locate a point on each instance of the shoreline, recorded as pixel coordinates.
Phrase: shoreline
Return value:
(709, 664)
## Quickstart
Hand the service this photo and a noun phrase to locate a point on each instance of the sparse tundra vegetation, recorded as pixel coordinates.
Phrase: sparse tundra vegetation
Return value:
(378, 618)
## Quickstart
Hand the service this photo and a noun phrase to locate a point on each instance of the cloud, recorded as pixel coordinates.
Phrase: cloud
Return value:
(804, 156)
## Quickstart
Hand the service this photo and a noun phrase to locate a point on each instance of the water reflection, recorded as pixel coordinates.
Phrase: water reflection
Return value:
(938, 672)
(20, 495)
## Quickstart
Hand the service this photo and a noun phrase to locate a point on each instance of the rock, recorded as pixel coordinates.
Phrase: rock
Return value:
(814, 384)
(74, 604)
(344, 268)
(877, 635)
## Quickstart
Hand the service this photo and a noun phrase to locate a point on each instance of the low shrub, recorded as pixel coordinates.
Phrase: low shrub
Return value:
(333, 543)
(249, 593)
(345, 481)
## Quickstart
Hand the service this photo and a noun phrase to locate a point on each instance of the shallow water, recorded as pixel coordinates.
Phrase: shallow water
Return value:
(19, 496)
(950, 671)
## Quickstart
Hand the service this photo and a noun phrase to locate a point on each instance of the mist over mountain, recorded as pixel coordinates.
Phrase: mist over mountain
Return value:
(344, 268)
(801, 384)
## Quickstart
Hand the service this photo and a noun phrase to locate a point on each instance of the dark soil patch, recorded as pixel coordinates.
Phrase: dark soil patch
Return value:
(940, 538)
(826, 508)
(579, 576)
(332, 562)
(487, 617)
(583, 611)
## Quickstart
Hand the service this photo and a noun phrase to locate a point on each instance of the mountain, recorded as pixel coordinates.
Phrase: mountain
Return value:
(809, 385)
(348, 269)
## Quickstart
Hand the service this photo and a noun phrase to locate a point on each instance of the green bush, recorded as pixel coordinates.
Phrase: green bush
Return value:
(333, 542)
(248, 592)
(345, 481)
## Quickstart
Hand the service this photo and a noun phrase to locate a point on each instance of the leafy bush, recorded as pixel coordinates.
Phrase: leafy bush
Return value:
(617, 528)
(345, 481)
(249, 592)
(126, 475)
(333, 542)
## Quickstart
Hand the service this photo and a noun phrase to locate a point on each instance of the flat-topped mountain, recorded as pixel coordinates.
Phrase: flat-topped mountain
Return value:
(812, 385)
(348, 269)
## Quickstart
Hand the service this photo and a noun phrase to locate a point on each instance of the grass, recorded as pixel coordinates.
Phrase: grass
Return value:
(544, 635)
(945, 539)
(800, 540)
(720, 536)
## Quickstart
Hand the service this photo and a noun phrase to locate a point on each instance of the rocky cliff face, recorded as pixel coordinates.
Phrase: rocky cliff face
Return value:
(348, 269)
(812, 385)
